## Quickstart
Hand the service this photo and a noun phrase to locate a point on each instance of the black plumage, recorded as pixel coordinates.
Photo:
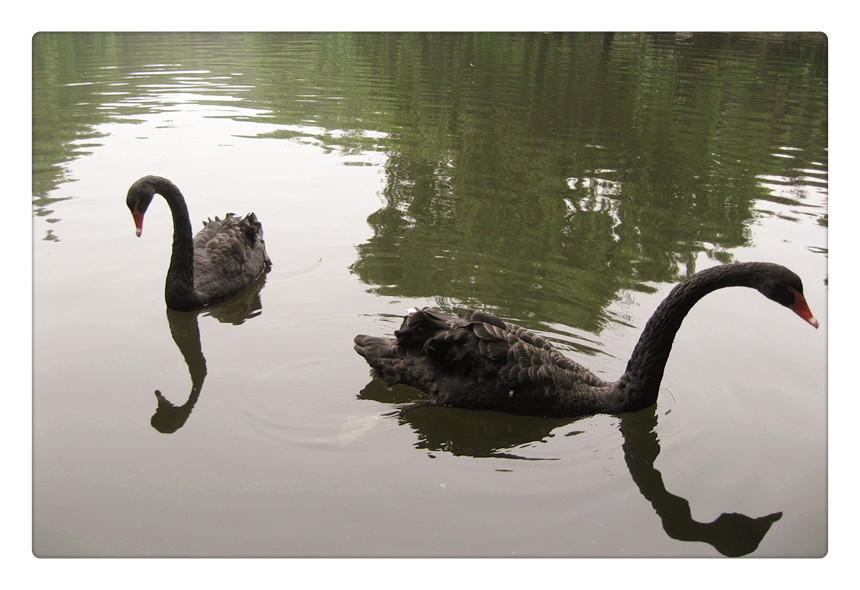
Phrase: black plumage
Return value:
(482, 362)
(221, 260)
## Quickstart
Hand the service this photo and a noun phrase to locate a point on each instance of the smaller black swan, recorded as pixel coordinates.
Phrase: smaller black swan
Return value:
(479, 361)
(221, 260)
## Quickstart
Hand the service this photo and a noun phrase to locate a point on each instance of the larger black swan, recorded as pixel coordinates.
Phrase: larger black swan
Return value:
(221, 260)
(481, 362)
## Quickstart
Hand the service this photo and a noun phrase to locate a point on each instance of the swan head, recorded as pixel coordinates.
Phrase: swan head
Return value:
(783, 286)
(139, 197)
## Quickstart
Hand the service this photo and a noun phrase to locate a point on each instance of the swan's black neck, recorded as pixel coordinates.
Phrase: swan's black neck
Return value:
(179, 290)
(639, 385)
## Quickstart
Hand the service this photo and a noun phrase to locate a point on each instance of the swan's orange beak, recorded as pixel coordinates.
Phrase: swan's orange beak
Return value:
(138, 221)
(801, 308)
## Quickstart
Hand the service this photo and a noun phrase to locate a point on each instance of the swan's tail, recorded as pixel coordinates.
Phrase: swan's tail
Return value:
(381, 355)
(404, 359)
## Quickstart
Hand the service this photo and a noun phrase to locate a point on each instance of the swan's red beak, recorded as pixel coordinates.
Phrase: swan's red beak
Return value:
(801, 308)
(138, 221)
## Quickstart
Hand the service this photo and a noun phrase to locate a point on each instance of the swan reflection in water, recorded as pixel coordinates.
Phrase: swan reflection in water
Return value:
(480, 433)
(169, 418)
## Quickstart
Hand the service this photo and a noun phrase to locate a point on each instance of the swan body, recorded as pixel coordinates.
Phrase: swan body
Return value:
(221, 260)
(479, 361)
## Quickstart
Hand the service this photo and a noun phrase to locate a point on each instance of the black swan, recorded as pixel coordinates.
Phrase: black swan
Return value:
(481, 362)
(221, 260)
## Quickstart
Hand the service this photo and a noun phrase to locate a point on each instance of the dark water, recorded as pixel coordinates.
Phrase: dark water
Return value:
(565, 182)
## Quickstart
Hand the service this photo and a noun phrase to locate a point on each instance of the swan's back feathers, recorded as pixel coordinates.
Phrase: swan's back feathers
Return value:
(479, 361)
(229, 254)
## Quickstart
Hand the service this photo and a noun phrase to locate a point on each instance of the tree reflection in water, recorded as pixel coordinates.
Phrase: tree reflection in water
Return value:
(606, 164)
(169, 418)
(493, 434)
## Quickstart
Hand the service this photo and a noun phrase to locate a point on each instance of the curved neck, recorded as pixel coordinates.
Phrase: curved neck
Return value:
(639, 385)
(179, 289)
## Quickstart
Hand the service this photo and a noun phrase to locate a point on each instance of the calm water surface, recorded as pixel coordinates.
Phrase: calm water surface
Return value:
(565, 182)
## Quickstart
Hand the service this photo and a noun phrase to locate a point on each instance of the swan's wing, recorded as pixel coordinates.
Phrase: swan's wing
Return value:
(525, 358)
(488, 347)
(228, 254)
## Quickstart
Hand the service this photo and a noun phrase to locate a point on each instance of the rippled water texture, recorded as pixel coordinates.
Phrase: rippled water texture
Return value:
(565, 182)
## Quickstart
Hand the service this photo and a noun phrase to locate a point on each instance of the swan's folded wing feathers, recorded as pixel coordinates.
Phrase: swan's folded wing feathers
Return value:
(530, 337)
(494, 325)
(226, 254)
(487, 331)
(485, 318)
(224, 262)
(478, 343)
(493, 350)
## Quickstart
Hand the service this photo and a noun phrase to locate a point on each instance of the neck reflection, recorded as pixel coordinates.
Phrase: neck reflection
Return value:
(492, 434)
(168, 417)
